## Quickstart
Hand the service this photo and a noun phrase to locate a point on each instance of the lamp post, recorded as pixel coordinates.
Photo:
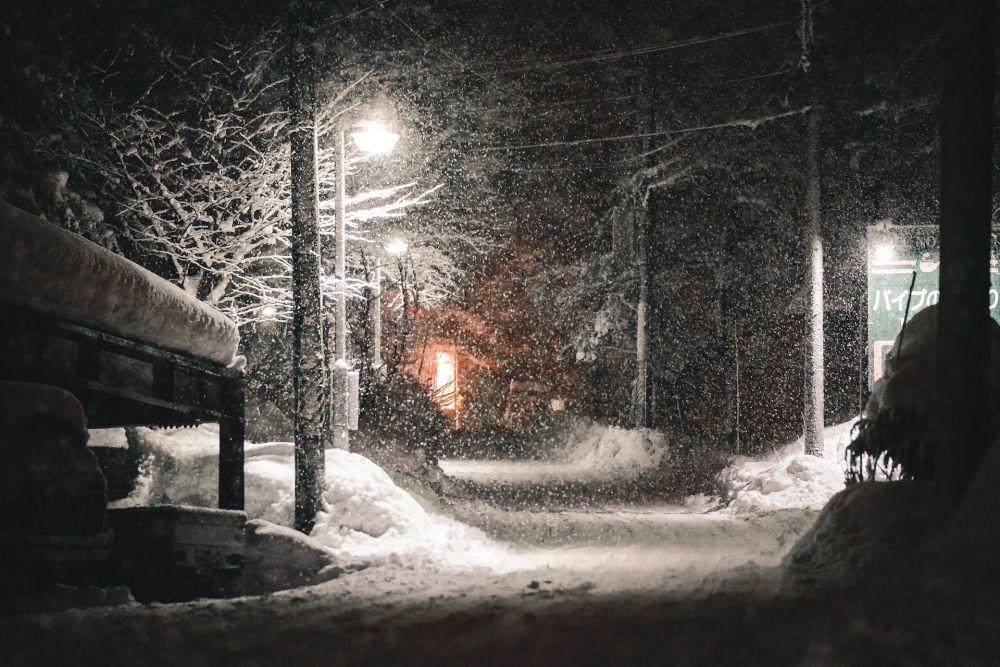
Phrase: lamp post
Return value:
(372, 137)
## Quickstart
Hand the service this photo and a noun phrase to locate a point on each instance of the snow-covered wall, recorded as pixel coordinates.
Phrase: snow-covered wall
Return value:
(53, 271)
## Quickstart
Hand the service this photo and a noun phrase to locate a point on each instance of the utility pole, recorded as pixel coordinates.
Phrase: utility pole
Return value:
(642, 408)
(813, 372)
(309, 369)
(339, 368)
(962, 421)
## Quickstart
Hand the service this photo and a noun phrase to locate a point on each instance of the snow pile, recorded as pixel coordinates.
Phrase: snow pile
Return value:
(280, 558)
(51, 270)
(585, 452)
(365, 515)
(859, 531)
(612, 448)
(788, 478)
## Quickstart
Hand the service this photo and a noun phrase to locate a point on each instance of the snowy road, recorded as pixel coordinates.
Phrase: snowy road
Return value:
(612, 546)
(518, 566)
(612, 583)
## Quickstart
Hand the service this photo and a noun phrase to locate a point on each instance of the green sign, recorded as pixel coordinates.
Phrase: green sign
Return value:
(895, 253)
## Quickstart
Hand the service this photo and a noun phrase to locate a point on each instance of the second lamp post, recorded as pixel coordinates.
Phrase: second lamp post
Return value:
(372, 137)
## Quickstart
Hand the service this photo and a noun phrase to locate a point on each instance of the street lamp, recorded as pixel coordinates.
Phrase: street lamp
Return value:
(884, 252)
(372, 137)
(397, 247)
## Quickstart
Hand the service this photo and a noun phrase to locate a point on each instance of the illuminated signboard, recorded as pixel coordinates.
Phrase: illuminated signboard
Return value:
(895, 252)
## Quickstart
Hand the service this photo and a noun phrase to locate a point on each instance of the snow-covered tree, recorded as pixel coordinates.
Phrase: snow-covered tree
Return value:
(197, 168)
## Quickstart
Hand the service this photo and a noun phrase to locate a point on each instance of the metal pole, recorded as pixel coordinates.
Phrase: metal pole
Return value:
(340, 367)
(375, 318)
(812, 413)
(643, 395)
(308, 371)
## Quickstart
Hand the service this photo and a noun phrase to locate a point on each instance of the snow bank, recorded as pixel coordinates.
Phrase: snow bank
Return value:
(585, 452)
(787, 478)
(601, 447)
(365, 516)
(280, 558)
(51, 270)
(860, 530)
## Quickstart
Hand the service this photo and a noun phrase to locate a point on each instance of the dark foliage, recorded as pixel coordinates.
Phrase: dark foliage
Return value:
(896, 443)
(400, 410)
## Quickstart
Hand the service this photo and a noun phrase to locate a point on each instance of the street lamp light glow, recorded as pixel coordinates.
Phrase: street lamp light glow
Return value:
(396, 247)
(268, 312)
(884, 252)
(374, 137)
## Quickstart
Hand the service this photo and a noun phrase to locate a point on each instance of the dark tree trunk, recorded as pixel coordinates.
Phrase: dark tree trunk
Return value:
(962, 422)
(309, 370)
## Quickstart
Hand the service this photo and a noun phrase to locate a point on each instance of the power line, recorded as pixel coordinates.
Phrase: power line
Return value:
(548, 63)
(454, 59)
(751, 123)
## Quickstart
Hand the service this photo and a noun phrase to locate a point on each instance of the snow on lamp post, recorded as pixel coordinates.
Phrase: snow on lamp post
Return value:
(371, 137)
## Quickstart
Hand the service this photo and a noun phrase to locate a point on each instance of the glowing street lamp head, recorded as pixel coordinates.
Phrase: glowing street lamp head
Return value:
(374, 137)
(396, 247)
(268, 312)
(884, 252)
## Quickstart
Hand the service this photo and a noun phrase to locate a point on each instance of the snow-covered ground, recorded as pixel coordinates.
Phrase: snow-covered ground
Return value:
(365, 515)
(516, 586)
(787, 478)
(587, 452)
(607, 547)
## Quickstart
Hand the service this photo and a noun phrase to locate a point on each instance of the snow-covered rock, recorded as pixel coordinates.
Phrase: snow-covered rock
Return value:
(22, 402)
(910, 380)
(862, 528)
(278, 557)
(54, 271)
(49, 481)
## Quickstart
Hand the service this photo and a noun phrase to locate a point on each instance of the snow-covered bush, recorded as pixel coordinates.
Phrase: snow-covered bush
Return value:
(399, 409)
(895, 438)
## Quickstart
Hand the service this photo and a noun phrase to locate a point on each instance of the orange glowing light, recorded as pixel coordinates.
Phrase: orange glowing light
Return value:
(444, 380)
